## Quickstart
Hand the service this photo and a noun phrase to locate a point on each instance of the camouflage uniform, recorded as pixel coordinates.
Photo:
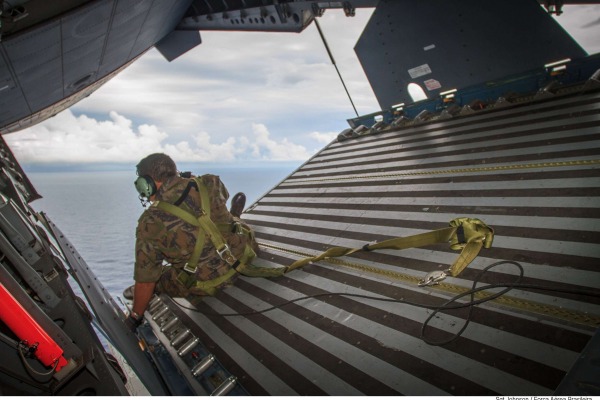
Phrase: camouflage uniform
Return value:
(164, 238)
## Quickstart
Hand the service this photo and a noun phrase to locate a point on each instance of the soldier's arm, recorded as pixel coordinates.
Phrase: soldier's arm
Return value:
(148, 262)
(141, 296)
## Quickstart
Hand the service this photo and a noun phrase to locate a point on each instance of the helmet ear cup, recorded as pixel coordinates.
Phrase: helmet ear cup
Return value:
(145, 186)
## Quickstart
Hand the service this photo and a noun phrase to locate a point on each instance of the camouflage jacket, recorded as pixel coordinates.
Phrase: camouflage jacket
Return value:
(163, 238)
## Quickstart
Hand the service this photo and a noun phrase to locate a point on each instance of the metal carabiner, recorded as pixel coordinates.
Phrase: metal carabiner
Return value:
(433, 278)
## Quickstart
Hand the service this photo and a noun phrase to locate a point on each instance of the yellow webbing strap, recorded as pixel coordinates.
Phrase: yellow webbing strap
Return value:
(190, 266)
(178, 212)
(204, 199)
(206, 227)
(196, 253)
(471, 235)
(210, 228)
(214, 231)
(210, 287)
(466, 234)
(247, 269)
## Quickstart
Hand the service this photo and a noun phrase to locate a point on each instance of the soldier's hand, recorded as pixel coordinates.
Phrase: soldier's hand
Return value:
(132, 322)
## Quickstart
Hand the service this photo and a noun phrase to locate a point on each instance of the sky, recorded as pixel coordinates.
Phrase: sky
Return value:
(238, 98)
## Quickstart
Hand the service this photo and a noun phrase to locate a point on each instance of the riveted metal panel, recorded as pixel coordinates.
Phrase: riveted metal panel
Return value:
(447, 45)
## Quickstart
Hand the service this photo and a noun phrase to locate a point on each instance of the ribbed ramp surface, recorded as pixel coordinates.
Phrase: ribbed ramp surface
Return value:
(531, 172)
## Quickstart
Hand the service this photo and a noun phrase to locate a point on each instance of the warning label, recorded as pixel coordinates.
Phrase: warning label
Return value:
(432, 84)
(421, 70)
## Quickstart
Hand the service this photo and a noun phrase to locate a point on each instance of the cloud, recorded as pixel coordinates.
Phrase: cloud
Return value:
(591, 24)
(266, 148)
(233, 79)
(239, 96)
(67, 138)
(325, 138)
(284, 80)
(581, 22)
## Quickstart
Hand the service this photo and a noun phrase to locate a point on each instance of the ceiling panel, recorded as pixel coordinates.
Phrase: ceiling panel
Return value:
(50, 65)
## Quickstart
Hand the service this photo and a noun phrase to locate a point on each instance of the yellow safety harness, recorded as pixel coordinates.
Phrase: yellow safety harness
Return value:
(207, 228)
(469, 235)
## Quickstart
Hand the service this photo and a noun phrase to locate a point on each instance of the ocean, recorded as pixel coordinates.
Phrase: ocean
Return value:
(98, 212)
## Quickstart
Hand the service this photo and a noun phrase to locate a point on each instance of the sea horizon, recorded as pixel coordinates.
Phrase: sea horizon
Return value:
(181, 165)
(97, 210)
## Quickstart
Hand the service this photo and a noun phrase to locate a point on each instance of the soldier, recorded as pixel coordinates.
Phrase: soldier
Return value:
(187, 243)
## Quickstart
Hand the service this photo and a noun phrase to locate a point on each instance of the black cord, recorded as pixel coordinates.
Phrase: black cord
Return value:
(471, 303)
(32, 372)
(435, 308)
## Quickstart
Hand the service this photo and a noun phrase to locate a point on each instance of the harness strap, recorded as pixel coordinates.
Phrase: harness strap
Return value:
(204, 199)
(185, 193)
(476, 235)
(178, 212)
(206, 227)
(209, 287)
(192, 263)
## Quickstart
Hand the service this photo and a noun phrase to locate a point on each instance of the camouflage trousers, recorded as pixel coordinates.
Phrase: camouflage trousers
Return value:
(178, 283)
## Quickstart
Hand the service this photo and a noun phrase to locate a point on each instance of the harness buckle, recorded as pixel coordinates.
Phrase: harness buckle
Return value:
(226, 255)
(189, 269)
(238, 229)
(433, 278)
